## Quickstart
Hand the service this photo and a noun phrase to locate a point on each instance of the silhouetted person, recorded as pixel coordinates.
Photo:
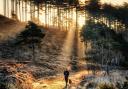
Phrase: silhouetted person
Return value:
(66, 75)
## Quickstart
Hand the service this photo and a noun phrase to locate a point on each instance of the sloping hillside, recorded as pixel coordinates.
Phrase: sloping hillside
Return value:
(9, 27)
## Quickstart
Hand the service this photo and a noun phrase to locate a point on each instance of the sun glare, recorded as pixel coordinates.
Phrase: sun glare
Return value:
(1, 7)
(114, 2)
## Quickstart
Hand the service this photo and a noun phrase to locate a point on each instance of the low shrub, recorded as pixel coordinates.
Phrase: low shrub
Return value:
(106, 86)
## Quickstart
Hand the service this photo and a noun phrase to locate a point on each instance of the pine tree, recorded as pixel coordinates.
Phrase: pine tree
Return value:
(32, 35)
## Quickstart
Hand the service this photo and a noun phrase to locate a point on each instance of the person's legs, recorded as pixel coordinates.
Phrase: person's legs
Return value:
(66, 80)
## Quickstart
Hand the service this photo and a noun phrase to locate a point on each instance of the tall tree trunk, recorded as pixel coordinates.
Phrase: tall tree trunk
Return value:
(22, 11)
(12, 5)
(8, 7)
(16, 10)
(26, 10)
(31, 10)
(76, 17)
(45, 13)
(58, 15)
(38, 7)
(4, 7)
(53, 17)
(33, 53)
(50, 13)
(19, 11)
(34, 11)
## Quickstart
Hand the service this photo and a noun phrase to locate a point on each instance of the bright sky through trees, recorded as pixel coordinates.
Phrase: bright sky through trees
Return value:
(114, 2)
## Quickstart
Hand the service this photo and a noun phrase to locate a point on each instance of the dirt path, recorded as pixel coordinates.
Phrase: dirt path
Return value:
(57, 82)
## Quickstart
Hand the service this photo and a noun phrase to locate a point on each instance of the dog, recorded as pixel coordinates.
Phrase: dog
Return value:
(70, 81)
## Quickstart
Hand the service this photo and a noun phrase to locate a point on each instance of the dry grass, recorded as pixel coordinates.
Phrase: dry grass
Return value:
(106, 86)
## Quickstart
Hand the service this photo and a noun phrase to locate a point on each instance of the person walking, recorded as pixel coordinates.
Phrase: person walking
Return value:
(66, 76)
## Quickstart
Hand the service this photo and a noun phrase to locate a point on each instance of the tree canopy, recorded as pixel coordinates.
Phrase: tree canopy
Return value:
(31, 34)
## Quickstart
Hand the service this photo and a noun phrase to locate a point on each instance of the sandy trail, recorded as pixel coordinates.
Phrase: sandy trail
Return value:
(59, 83)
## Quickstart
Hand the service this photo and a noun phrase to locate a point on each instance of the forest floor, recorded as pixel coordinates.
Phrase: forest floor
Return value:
(60, 50)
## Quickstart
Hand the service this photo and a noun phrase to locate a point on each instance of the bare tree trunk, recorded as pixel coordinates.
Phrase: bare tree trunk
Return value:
(58, 16)
(67, 18)
(86, 45)
(50, 5)
(22, 11)
(26, 10)
(33, 53)
(12, 5)
(38, 7)
(16, 10)
(8, 8)
(19, 11)
(34, 10)
(48, 13)
(30, 10)
(53, 17)
(45, 13)
(76, 17)
(4, 7)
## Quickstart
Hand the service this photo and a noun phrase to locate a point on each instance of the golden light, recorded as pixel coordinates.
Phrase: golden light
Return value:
(82, 1)
(81, 21)
(114, 2)
(1, 8)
